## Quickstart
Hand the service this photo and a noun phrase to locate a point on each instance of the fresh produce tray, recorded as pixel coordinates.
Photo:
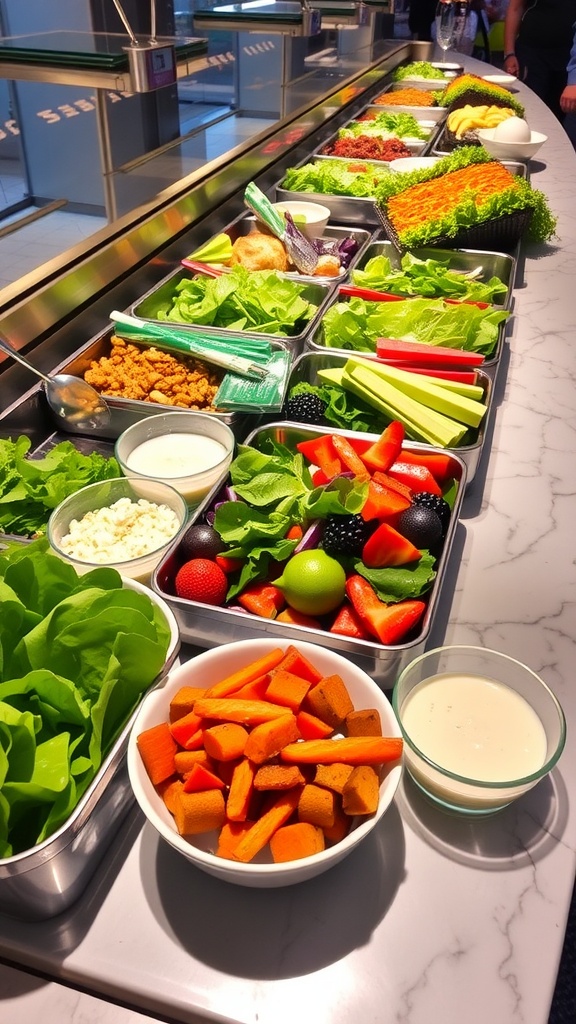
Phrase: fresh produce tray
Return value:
(305, 370)
(316, 343)
(493, 264)
(47, 879)
(503, 232)
(244, 224)
(345, 209)
(435, 114)
(145, 308)
(209, 626)
(416, 146)
(123, 411)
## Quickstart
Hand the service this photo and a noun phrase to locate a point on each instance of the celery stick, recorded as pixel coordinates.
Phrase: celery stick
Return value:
(425, 423)
(332, 376)
(427, 391)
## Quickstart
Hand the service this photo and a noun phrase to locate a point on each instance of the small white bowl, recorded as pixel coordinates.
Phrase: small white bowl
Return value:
(208, 447)
(103, 494)
(510, 150)
(480, 728)
(316, 217)
(405, 164)
(208, 668)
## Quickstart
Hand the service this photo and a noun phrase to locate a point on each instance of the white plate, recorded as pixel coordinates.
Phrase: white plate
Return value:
(500, 79)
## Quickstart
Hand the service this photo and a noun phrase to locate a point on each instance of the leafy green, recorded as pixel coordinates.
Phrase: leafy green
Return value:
(343, 409)
(432, 278)
(355, 325)
(417, 69)
(31, 488)
(76, 654)
(396, 124)
(402, 581)
(240, 300)
(337, 177)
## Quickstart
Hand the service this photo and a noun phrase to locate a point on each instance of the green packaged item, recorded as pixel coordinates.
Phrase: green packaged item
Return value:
(239, 394)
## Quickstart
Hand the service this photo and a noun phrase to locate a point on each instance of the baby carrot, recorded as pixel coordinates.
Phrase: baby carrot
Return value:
(157, 748)
(267, 739)
(232, 709)
(349, 750)
(261, 832)
(247, 674)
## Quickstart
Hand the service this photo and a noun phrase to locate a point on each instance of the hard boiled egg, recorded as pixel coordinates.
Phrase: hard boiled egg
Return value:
(513, 129)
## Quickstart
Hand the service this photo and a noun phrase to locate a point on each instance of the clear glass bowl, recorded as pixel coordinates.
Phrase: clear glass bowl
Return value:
(480, 728)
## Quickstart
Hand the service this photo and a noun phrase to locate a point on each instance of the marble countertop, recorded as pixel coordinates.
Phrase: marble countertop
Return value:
(433, 918)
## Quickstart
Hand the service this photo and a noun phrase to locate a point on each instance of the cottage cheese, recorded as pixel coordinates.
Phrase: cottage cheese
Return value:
(120, 532)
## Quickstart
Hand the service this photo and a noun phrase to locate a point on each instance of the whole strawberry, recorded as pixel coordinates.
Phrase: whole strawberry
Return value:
(200, 579)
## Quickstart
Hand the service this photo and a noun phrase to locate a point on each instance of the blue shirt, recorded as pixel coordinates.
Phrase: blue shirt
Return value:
(571, 69)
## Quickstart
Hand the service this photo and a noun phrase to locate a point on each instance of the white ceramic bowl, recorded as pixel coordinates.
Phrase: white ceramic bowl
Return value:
(480, 728)
(209, 667)
(405, 164)
(316, 217)
(102, 495)
(208, 447)
(510, 150)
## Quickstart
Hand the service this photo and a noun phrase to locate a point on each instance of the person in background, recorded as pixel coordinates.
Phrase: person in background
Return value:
(537, 40)
(421, 14)
(568, 97)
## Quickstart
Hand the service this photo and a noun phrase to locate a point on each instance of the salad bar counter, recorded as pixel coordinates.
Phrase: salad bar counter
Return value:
(433, 915)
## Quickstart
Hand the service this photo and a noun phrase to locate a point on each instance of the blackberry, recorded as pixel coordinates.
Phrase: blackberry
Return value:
(345, 535)
(420, 525)
(306, 408)
(437, 504)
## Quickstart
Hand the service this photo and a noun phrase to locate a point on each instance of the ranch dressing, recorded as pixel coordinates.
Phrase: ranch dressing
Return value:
(475, 727)
(169, 456)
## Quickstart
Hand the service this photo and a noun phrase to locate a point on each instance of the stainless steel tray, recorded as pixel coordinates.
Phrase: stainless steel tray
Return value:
(146, 307)
(416, 146)
(306, 369)
(47, 879)
(426, 112)
(494, 264)
(123, 411)
(244, 224)
(209, 626)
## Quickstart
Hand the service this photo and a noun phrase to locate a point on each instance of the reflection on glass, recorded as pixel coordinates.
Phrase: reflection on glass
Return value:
(445, 25)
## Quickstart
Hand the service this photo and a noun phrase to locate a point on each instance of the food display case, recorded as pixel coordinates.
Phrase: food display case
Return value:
(432, 911)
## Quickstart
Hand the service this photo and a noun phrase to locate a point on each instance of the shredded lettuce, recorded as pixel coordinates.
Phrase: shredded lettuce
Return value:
(76, 654)
(418, 69)
(337, 177)
(399, 125)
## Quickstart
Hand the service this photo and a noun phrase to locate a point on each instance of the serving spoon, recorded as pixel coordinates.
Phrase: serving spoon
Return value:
(71, 398)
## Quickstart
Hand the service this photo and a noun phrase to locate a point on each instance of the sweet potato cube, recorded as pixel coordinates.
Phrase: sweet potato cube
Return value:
(361, 792)
(364, 723)
(267, 739)
(184, 760)
(292, 842)
(330, 701)
(287, 689)
(168, 791)
(333, 776)
(183, 701)
(278, 776)
(341, 827)
(316, 806)
(199, 812)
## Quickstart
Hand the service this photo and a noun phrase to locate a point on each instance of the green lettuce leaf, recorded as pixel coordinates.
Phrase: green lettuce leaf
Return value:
(431, 278)
(402, 581)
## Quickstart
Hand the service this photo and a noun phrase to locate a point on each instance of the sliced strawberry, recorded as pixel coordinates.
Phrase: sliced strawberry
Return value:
(386, 450)
(383, 502)
(388, 623)
(419, 478)
(263, 599)
(349, 623)
(320, 452)
(387, 547)
(228, 565)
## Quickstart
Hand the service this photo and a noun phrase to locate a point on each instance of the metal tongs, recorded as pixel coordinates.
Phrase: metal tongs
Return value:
(300, 249)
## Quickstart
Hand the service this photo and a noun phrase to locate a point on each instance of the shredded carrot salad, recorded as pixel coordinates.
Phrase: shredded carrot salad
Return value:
(406, 98)
(432, 200)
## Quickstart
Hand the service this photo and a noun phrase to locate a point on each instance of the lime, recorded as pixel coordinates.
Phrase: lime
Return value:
(312, 582)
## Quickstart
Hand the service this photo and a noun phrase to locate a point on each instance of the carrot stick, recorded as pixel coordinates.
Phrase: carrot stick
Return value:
(294, 661)
(349, 750)
(292, 842)
(246, 674)
(267, 739)
(201, 778)
(240, 793)
(232, 709)
(262, 830)
(225, 742)
(157, 748)
(311, 727)
(287, 689)
(183, 728)
(255, 690)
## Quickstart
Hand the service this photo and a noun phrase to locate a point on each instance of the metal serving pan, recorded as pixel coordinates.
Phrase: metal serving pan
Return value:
(123, 411)
(244, 224)
(416, 146)
(306, 369)
(145, 308)
(494, 264)
(47, 879)
(208, 626)
(316, 343)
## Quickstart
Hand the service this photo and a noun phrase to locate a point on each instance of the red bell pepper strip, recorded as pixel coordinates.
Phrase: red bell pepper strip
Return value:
(320, 452)
(349, 456)
(427, 355)
(458, 376)
(419, 478)
(386, 450)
